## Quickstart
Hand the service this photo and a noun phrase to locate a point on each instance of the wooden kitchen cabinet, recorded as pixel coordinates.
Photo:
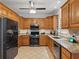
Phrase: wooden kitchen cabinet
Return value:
(65, 15)
(25, 23)
(43, 40)
(4, 11)
(20, 41)
(51, 45)
(54, 22)
(34, 21)
(70, 14)
(74, 13)
(45, 23)
(8, 13)
(1, 10)
(64, 57)
(65, 54)
(20, 23)
(23, 40)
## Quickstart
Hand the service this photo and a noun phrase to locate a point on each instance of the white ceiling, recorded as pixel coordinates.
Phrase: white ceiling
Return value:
(51, 6)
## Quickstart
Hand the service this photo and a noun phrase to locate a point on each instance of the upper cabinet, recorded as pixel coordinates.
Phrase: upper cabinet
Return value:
(54, 22)
(6, 12)
(24, 23)
(44, 23)
(74, 13)
(3, 10)
(65, 15)
(70, 15)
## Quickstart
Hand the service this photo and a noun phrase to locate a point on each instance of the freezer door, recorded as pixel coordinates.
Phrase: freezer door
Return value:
(11, 53)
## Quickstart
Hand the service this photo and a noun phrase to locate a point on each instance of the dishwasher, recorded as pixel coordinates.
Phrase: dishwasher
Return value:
(57, 50)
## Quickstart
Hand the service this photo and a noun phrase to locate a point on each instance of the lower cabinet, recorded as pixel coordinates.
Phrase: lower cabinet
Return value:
(65, 54)
(51, 44)
(20, 41)
(23, 40)
(43, 40)
(26, 40)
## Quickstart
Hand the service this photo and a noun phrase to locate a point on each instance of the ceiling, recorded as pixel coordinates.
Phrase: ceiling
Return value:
(52, 6)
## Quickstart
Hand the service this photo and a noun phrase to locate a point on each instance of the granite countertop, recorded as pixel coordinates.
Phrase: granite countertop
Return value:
(71, 47)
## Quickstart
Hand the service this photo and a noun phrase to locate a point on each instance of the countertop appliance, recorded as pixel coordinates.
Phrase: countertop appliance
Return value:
(8, 38)
(34, 35)
(57, 50)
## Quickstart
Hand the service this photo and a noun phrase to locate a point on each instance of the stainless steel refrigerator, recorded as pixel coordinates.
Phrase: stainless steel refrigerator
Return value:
(8, 38)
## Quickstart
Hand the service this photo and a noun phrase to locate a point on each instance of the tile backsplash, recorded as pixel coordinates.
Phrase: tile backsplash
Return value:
(68, 33)
(65, 33)
(24, 32)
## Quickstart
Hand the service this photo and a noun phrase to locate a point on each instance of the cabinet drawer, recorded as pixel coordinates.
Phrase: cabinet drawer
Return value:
(66, 52)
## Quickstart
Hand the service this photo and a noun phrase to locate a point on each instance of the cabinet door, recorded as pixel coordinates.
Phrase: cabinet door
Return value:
(65, 15)
(20, 23)
(26, 40)
(20, 41)
(64, 56)
(41, 22)
(55, 22)
(26, 23)
(49, 22)
(51, 44)
(1, 10)
(43, 40)
(4, 11)
(74, 13)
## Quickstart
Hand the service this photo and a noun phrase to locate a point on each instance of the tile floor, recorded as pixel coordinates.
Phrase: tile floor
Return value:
(34, 53)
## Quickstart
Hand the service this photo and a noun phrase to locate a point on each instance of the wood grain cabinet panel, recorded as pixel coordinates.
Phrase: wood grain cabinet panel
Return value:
(67, 53)
(44, 23)
(65, 15)
(20, 41)
(64, 56)
(20, 23)
(26, 23)
(43, 40)
(49, 43)
(1, 10)
(70, 15)
(23, 40)
(6, 12)
(74, 13)
(26, 40)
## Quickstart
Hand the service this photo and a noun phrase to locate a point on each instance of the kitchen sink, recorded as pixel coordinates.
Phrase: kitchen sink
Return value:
(56, 37)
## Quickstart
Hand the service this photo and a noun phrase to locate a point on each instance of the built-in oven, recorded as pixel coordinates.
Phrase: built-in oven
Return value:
(57, 50)
(34, 35)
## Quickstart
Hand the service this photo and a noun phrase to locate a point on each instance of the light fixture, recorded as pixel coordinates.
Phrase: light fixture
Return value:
(33, 11)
